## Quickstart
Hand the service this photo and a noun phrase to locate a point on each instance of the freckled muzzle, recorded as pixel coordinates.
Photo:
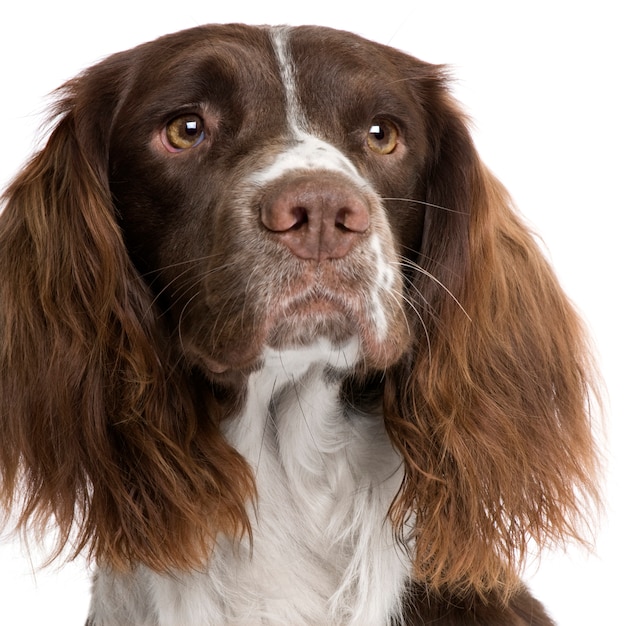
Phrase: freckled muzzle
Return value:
(331, 267)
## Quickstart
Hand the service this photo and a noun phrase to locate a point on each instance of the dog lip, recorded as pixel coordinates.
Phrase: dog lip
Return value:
(314, 303)
(303, 319)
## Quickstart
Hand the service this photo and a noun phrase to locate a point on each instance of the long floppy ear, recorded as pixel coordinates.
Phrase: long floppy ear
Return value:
(101, 430)
(490, 412)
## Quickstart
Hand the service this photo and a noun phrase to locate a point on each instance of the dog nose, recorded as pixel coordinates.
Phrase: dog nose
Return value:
(317, 216)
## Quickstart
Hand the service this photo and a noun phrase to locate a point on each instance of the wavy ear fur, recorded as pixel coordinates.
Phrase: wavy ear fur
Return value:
(491, 410)
(103, 432)
(100, 430)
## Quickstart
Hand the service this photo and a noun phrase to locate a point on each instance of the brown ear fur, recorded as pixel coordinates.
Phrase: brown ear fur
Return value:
(491, 411)
(100, 430)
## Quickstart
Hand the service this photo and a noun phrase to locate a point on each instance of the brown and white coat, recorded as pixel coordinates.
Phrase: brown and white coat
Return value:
(275, 347)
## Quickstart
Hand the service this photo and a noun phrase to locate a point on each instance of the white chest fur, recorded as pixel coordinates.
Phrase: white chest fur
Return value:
(322, 551)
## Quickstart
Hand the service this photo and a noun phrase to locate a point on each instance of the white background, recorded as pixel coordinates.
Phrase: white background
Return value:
(545, 85)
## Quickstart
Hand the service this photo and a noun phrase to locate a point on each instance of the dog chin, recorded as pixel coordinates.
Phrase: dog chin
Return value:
(303, 325)
(336, 333)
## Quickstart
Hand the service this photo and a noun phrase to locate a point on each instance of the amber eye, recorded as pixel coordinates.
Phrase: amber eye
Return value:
(382, 137)
(184, 132)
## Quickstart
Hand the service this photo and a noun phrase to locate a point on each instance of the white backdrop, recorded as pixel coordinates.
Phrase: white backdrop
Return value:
(545, 85)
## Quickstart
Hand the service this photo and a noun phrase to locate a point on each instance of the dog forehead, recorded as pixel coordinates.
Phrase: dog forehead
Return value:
(250, 57)
(249, 70)
(241, 49)
(305, 149)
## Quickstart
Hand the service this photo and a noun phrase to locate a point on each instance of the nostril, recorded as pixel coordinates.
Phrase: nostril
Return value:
(353, 217)
(341, 218)
(301, 217)
(281, 216)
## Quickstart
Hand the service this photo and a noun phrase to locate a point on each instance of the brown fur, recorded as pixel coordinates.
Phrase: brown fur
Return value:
(104, 424)
(425, 609)
(492, 414)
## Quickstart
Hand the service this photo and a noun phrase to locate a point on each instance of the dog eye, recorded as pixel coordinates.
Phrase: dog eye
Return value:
(383, 136)
(184, 132)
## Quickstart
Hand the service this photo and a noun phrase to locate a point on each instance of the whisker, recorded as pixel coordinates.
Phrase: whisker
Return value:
(163, 289)
(227, 310)
(269, 420)
(404, 262)
(304, 416)
(423, 257)
(427, 204)
(246, 299)
(398, 296)
(180, 321)
(163, 268)
(185, 285)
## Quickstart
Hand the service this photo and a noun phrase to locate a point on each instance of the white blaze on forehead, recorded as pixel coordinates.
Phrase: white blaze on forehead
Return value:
(295, 117)
(305, 151)
(310, 153)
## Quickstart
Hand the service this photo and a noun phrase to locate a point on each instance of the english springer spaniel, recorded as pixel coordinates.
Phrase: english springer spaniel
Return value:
(275, 348)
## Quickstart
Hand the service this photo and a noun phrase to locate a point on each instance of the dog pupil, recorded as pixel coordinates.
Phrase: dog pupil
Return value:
(378, 132)
(191, 127)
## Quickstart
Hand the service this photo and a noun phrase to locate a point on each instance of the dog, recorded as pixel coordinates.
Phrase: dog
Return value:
(276, 348)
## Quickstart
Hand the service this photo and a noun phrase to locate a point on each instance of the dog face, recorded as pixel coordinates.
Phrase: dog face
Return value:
(268, 199)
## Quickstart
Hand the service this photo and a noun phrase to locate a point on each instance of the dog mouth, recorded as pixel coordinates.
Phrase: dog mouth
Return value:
(339, 317)
(301, 320)
(339, 306)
